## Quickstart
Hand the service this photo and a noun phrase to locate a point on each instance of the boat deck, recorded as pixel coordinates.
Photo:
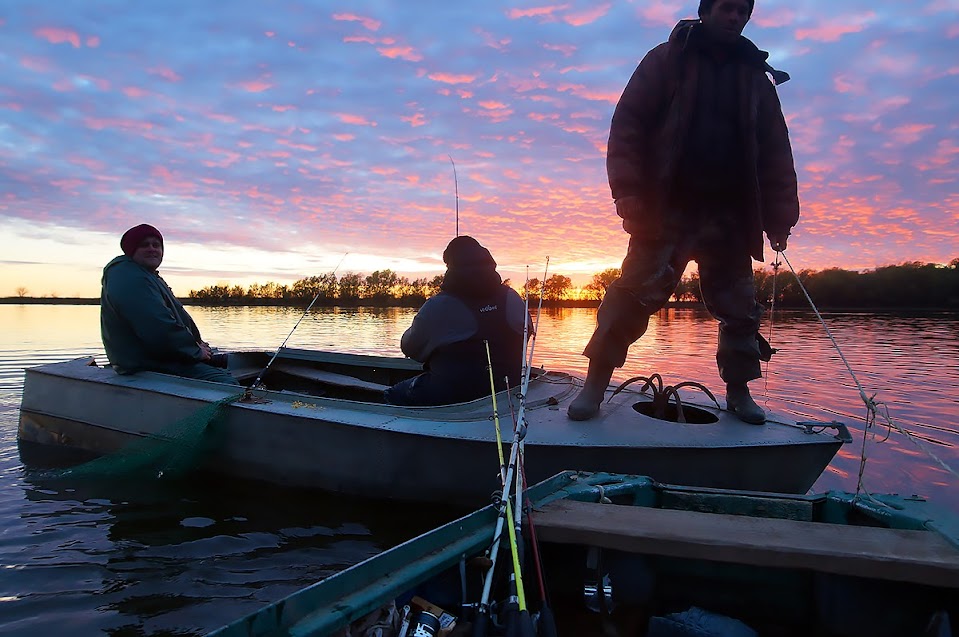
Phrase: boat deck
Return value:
(923, 557)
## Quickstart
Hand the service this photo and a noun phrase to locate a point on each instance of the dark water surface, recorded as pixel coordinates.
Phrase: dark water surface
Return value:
(128, 558)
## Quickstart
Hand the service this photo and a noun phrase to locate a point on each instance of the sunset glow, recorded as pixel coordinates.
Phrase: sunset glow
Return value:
(266, 140)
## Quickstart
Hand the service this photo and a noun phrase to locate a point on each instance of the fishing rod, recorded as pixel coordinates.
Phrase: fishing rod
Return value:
(546, 625)
(504, 517)
(259, 378)
(456, 187)
(524, 387)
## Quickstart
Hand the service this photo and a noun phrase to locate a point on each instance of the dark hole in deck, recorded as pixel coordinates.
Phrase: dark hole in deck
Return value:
(693, 415)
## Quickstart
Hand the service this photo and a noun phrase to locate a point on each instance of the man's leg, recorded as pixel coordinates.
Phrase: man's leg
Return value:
(650, 273)
(726, 281)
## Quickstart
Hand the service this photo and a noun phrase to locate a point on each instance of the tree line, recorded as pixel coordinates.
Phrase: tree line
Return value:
(907, 285)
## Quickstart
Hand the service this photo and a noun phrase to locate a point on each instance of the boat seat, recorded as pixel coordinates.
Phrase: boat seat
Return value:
(330, 378)
(246, 373)
(923, 557)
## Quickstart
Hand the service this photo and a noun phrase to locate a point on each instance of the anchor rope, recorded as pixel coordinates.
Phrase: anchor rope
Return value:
(874, 408)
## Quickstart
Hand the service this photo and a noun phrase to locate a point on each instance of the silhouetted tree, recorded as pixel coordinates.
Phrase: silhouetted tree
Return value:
(557, 287)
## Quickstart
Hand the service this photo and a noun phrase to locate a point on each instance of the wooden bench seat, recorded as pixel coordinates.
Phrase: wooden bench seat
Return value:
(330, 378)
(923, 557)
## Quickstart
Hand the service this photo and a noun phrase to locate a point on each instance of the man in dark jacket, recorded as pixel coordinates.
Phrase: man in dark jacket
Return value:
(700, 165)
(143, 325)
(447, 333)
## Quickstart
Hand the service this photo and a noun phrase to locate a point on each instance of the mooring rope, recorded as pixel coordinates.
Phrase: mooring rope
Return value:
(874, 408)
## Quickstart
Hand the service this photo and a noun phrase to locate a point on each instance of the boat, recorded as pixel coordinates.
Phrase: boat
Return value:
(318, 420)
(628, 555)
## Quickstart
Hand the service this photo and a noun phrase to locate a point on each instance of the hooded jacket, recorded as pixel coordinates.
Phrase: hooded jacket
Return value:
(142, 324)
(649, 129)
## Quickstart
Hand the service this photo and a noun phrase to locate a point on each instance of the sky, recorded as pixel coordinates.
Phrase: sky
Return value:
(271, 140)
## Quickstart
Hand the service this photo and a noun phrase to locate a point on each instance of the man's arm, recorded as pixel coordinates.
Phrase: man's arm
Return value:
(634, 119)
(440, 321)
(776, 170)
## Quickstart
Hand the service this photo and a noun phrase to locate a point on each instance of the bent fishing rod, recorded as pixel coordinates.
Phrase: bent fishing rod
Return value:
(259, 378)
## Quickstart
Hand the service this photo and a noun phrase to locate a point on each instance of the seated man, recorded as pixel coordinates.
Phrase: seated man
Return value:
(143, 325)
(447, 333)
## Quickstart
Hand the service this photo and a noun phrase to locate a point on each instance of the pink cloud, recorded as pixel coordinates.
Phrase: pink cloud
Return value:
(363, 39)
(359, 120)
(344, 137)
(97, 123)
(296, 146)
(11, 106)
(582, 18)
(659, 12)
(40, 65)
(909, 133)
(165, 73)
(222, 117)
(773, 17)
(492, 41)
(452, 78)
(255, 86)
(283, 108)
(849, 84)
(368, 23)
(834, 30)
(524, 85)
(535, 12)
(56, 35)
(415, 120)
(134, 92)
(589, 94)
(566, 49)
(93, 42)
(402, 52)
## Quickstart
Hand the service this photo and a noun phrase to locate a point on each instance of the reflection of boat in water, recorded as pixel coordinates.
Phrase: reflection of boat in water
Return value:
(323, 424)
(627, 554)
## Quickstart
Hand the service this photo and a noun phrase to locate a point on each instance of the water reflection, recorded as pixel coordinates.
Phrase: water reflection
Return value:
(161, 556)
(182, 558)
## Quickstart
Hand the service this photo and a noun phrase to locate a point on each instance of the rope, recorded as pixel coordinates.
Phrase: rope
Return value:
(874, 408)
(772, 315)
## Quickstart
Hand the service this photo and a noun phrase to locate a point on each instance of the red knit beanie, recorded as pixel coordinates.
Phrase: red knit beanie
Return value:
(131, 238)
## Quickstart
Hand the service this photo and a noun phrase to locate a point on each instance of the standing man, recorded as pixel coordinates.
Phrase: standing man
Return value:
(143, 325)
(700, 165)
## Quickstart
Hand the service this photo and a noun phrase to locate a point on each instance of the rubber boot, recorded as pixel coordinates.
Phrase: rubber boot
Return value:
(587, 402)
(742, 404)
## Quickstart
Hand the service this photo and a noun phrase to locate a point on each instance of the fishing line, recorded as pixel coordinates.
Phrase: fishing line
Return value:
(259, 378)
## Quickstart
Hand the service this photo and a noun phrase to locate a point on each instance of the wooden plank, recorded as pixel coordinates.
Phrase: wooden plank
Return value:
(331, 378)
(923, 557)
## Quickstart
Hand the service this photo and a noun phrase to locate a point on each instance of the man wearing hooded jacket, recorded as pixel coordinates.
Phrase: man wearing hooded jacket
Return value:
(699, 165)
(448, 332)
(144, 327)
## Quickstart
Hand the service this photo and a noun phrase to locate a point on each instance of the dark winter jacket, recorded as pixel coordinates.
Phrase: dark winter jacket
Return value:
(142, 323)
(447, 336)
(651, 124)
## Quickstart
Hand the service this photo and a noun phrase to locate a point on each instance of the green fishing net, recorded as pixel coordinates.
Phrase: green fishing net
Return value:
(170, 453)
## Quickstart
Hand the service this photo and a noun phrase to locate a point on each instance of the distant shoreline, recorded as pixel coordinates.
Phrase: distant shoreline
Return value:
(13, 300)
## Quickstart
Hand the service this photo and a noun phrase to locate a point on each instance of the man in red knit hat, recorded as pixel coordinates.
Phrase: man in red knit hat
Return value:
(143, 325)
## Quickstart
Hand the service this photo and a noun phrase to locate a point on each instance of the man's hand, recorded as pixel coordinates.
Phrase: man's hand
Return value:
(777, 240)
(206, 352)
(631, 210)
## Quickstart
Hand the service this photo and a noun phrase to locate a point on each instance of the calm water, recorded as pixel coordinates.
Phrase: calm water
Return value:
(181, 559)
